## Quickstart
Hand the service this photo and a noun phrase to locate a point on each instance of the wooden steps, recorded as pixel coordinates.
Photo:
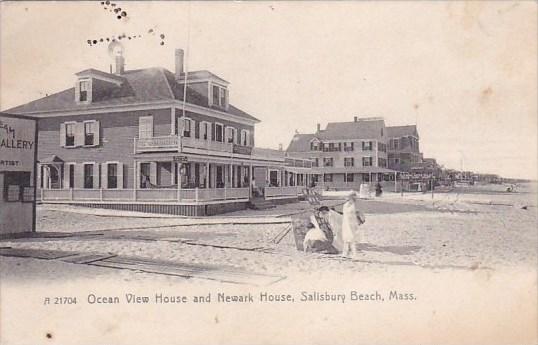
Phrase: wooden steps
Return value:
(260, 204)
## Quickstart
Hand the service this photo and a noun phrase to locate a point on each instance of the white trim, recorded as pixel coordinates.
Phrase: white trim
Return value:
(84, 132)
(93, 174)
(118, 163)
(67, 172)
(234, 134)
(204, 80)
(247, 137)
(223, 132)
(116, 108)
(208, 133)
(89, 93)
(74, 134)
(173, 121)
(93, 75)
(192, 130)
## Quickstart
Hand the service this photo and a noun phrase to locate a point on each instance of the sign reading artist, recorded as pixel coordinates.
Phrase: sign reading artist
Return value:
(17, 144)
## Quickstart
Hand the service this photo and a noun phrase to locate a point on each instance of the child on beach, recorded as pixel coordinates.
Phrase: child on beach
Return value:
(350, 225)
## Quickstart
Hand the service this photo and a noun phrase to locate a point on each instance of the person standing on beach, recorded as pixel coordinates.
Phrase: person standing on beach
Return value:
(350, 225)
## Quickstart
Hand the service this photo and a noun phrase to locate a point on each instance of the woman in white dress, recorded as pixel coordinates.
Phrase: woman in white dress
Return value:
(350, 225)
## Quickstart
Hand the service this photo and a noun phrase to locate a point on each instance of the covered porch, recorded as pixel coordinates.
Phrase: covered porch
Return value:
(352, 178)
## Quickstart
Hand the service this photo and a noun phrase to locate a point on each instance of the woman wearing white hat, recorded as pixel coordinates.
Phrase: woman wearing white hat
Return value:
(350, 225)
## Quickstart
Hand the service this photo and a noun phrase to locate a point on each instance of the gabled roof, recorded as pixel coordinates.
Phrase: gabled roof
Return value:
(362, 129)
(300, 143)
(370, 129)
(138, 86)
(402, 131)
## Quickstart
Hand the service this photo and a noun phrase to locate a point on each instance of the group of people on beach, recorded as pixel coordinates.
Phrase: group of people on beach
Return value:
(331, 232)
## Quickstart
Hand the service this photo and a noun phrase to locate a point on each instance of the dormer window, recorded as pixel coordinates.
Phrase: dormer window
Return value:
(219, 96)
(84, 87)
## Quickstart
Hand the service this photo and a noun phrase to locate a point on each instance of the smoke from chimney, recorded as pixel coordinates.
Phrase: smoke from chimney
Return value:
(179, 62)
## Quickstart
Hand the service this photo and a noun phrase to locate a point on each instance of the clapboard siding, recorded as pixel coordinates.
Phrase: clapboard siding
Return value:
(117, 132)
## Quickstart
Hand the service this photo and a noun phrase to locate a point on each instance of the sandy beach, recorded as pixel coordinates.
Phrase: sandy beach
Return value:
(464, 230)
(467, 258)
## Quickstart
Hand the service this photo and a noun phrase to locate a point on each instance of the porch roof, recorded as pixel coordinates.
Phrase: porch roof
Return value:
(51, 160)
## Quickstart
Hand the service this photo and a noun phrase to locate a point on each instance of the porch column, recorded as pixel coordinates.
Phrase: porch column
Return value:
(178, 178)
(250, 174)
(208, 183)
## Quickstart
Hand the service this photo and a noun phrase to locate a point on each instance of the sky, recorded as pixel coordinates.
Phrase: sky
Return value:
(464, 72)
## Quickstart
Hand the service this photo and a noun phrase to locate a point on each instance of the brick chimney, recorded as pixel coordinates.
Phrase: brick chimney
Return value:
(179, 62)
(318, 127)
(280, 148)
(120, 64)
(356, 118)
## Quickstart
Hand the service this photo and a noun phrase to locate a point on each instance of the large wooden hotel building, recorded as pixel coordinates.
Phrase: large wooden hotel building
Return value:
(156, 141)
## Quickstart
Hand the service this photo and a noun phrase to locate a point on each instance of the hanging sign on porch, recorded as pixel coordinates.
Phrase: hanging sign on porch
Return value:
(182, 159)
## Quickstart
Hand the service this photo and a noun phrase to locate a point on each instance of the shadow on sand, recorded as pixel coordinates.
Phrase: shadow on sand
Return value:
(399, 250)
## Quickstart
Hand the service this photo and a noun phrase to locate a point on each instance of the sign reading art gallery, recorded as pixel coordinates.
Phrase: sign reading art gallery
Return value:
(18, 141)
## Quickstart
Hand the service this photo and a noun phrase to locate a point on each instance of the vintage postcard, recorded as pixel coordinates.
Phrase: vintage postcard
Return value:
(286, 172)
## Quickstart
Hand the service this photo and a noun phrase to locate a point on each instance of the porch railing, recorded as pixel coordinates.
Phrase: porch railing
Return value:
(206, 145)
(288, 191)
(141, 195)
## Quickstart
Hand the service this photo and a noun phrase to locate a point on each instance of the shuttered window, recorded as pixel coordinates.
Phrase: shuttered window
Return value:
(74, 134)
(69, 134)
(145, 127)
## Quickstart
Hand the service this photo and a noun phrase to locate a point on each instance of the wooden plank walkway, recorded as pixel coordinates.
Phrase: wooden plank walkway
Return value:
(186, 270)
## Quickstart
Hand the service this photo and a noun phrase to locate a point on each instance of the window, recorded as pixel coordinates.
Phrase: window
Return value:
(382, 162)
(84, 85)
(145, 126)
(16, 183)
(245, 137)
(396, 143)
(70, 134)
(367, 146)
(204, 130)
(348, 147)
(349, 162)
(314, 145)
(187, 128)
(88, 176)
(315, 162)
(382, 147)
(219, 128)
(367, 161)
(328, 162)
(90, 133)
(230, 135)
(328, 178)
(112, 175)
(219, 96)
(348, 177)
(71, 183)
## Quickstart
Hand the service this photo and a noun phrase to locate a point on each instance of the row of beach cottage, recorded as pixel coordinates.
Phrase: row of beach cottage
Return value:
(153, 140)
